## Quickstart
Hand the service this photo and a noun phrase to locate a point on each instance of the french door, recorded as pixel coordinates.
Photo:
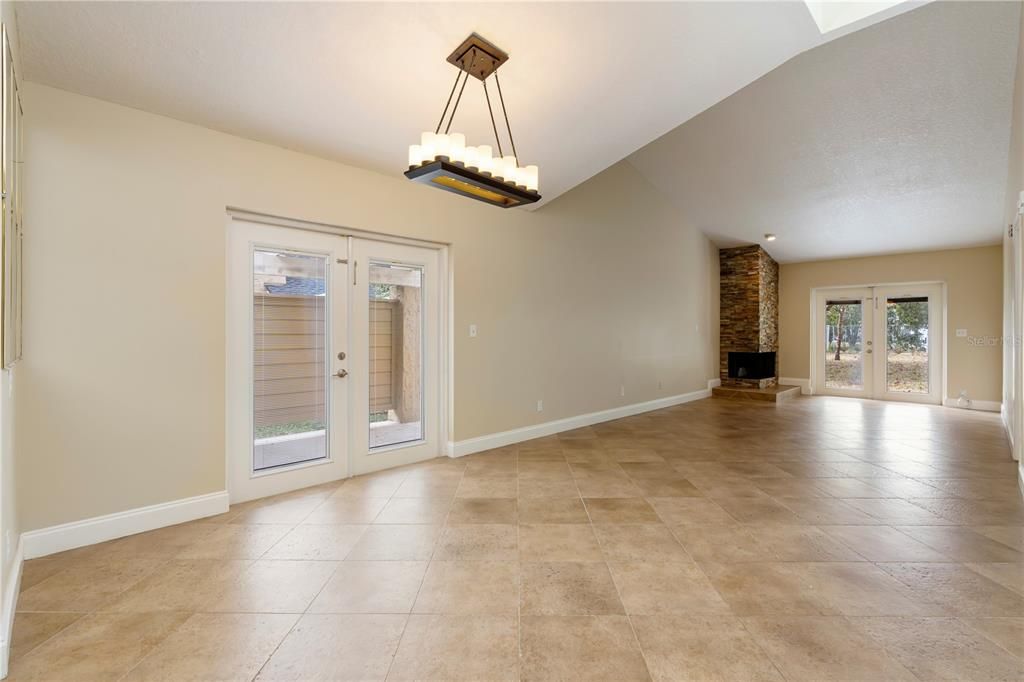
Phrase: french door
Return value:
(881, 342)
(333, 357)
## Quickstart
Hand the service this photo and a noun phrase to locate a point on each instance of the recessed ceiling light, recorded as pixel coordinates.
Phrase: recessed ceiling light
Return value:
(769, 237)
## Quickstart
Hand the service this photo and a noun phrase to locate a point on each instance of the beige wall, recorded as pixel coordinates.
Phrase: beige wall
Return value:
(974, 301)
(121, 400)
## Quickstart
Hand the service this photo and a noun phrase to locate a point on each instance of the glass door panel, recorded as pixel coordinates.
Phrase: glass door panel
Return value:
(290, 364)
(396, 359)
(909, 328)
(906, 345)
(844, 345)
(844, 342)
(395, 330)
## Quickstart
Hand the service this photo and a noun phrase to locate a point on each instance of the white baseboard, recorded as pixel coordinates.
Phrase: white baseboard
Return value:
(981, 405)
(804, 384)
(714, 383)
(498, 440)
(11, 587)
(66, 536)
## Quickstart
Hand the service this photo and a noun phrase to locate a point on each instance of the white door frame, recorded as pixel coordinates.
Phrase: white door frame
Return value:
(939, 330)
(445, 372)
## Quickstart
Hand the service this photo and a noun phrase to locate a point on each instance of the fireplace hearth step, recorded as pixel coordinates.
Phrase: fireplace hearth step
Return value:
(771, 394)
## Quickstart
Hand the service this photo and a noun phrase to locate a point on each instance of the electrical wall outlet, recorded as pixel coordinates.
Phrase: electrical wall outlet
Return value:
(622, 391)
(540, 405)
(961, 333)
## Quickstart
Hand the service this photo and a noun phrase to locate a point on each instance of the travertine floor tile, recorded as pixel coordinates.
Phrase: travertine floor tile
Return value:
(957, 589)
(395, 542)
(85, 587)
(470, 587)
(348, 510)
(674, 587)
(429, 510)
(689, 511)
(1006, 632)
(231, 541)
(580, 647)
(558, 542)
(823, 648)
(214, 646)
(1011, 536)
(32, 629)
(639, 543)
(567, 588)
(270, 586)
(457, 648)
(533, 510)
(371, 587)
(317, 543)
(98, 647)
(620, 510)
(827, 511)
(720, 540)
(942, 649)
(178, 585)
(505, 486)
(883, 543)
(701, 648)
(1010, 576)
(482, 510)
(963, 544)
(337, 648)
(477, 542)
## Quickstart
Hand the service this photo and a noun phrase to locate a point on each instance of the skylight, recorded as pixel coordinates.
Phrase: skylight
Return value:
(833, 15)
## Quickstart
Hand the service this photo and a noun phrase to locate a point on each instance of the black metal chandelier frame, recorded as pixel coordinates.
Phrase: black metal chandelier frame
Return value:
(479, 58)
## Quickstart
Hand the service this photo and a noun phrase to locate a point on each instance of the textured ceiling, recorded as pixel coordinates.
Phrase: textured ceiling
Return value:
(587, 84)
(893, 138)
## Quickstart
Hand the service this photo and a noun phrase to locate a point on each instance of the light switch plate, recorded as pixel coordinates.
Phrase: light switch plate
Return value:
(472, 331)
(961, 332)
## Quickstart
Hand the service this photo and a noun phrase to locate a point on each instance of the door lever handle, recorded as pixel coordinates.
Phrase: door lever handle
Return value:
(341, 373)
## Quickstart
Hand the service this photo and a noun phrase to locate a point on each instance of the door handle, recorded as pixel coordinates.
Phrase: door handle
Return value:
(341, 373)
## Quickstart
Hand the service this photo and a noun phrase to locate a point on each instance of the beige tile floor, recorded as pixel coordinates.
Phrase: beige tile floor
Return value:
(827, 539)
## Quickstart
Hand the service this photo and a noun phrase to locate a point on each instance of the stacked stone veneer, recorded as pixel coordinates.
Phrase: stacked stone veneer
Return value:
(749, 309)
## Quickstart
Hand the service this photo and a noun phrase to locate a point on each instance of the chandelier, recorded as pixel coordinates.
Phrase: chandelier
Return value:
(445, 161)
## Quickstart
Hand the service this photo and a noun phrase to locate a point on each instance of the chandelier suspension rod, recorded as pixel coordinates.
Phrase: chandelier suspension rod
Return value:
(493, 124)
(445, 112)
(457, 100)
(503, 111)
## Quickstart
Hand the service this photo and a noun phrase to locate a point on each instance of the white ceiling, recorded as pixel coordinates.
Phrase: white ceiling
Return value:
(894, 138)
(587, 83)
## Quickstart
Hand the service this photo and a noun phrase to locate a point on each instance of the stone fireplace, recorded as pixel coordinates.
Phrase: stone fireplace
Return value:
(749, 313)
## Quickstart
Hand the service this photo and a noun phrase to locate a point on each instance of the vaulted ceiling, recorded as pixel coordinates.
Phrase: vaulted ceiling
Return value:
(893, 138)
(586, 85)
(873, 138)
